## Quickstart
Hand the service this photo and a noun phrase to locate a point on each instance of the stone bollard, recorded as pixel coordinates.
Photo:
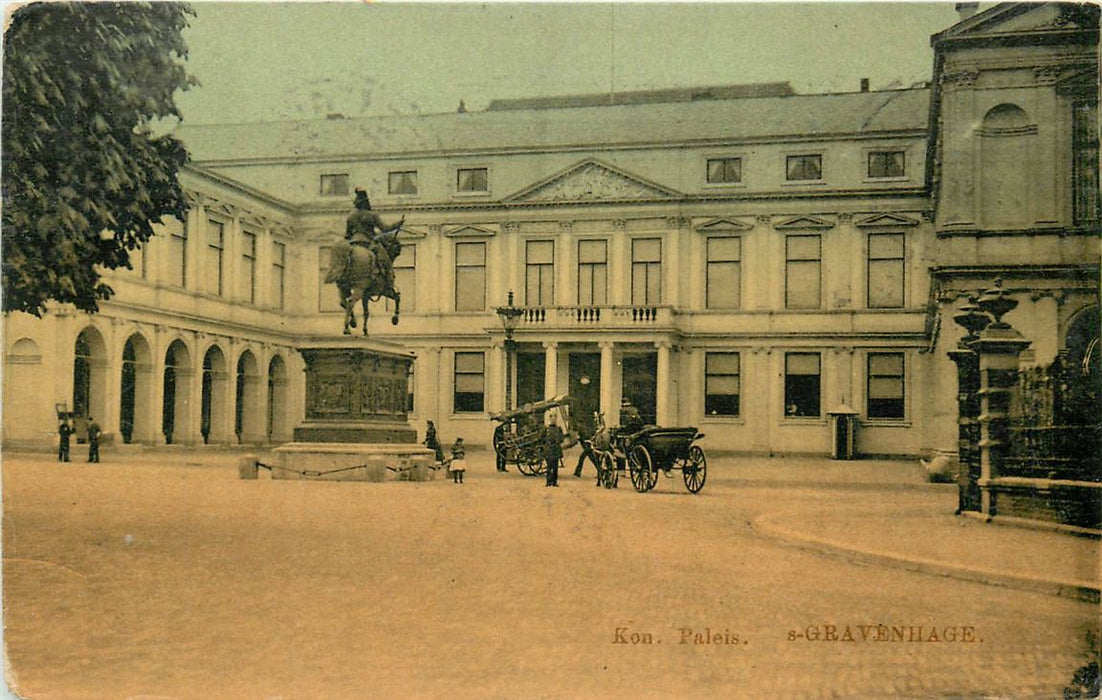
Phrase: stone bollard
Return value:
(246, 466)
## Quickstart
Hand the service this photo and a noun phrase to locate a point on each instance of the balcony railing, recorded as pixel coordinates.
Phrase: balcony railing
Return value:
(595, 316)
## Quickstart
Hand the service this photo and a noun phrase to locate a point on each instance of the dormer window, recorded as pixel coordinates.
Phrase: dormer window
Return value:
(724, 171)
(804, 167)
(472, 180)
(887, 164)
(334, 185)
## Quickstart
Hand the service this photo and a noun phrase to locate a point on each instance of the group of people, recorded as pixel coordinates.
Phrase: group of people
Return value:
(457, 465)
(553, 440)
(65, 429)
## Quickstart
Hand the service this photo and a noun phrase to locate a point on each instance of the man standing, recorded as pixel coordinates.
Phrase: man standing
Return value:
(552, 449)
(93, 440)
(64, 430)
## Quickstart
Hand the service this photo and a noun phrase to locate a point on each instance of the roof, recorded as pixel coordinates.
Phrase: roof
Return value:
(716, 92)
(487, 131)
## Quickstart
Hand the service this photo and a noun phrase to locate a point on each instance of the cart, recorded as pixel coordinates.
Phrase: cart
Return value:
(643, 453)
(518, 437)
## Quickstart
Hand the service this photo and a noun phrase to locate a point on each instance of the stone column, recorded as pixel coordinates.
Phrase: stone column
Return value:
(608, 405)
(551, 370)
(499, 367)
(662, 384)
(998, 348)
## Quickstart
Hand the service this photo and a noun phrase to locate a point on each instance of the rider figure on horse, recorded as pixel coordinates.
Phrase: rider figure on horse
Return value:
(361, 230)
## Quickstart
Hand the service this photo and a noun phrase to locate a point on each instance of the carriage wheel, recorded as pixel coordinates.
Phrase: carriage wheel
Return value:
(643, 476)
(529, 466)
(694, 469)
(607, 475)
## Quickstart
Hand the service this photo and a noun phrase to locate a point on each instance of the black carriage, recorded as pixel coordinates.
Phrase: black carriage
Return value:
(644, 452)
(518, 437)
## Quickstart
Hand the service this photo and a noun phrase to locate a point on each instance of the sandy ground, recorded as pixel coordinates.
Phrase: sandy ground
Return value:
(157, 578)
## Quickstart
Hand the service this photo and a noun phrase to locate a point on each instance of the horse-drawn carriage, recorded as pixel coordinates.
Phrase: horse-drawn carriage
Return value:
(519, 435)
(645, 451)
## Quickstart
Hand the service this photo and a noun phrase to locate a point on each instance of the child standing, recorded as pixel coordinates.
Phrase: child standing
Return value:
(458, 462)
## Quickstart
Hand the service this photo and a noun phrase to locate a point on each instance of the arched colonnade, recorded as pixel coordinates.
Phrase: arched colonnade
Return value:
(156, 385)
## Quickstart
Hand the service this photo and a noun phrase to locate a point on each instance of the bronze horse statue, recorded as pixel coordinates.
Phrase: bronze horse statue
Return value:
(361, 276)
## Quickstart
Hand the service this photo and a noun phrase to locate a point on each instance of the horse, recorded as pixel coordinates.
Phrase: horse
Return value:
(353, 269)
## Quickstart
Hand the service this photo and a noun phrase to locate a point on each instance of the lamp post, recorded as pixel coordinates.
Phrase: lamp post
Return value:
(510, 317)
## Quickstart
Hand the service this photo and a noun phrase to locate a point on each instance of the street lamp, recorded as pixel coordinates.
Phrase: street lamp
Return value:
(510, 317)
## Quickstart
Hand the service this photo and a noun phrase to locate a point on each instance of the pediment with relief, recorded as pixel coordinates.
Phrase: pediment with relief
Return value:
(723, 226)
(469, 231)
(885, 220)
(804, 223)
(1013, 18)
(592, 181)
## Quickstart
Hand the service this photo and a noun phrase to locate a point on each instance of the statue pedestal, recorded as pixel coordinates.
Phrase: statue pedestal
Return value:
(356, 427)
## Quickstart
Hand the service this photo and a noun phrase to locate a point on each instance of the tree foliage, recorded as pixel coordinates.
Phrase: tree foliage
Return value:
(85, 177)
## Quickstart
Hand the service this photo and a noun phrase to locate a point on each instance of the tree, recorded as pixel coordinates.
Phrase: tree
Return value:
(85, 177)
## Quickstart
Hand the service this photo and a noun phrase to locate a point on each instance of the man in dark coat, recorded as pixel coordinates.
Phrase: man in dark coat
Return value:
(93, 440)
(64, 430)
(585, 434)
(552, 452)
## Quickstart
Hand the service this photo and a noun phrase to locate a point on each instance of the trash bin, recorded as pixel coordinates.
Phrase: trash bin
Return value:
(843, 424)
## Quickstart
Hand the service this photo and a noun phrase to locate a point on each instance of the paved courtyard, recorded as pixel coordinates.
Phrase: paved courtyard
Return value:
(166, 576)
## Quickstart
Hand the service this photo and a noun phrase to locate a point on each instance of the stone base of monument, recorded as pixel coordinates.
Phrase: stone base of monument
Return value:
(355, 426)
(352, 462)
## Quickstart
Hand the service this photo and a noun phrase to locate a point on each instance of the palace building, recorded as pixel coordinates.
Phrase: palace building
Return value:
(740, 258)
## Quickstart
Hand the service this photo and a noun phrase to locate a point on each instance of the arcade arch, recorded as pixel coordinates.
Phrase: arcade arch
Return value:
(136, 417)
(215, 397)
(248, 419)
(277, 428)
(89, 376)
(175, 418)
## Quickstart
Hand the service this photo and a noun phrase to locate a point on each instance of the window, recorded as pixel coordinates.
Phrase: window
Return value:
(801, 384)
(1084, 149)
(592, 273)
(405, 278)
(328, 297)
(724, 171)
(646, 271)
(722, 275)
(213, 263)
(177, 253)
(802, 272)
(472, 180)
(887, 164)
(470, 276)
(721, 384)
(885, 272)
(807, 167)
(402, 182)
(248, 267)
(334, 185)
(885, 390)
(539, 273)
(279, 265)
(469, 382)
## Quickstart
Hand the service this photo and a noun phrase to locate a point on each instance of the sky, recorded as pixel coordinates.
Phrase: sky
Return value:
(299, 60)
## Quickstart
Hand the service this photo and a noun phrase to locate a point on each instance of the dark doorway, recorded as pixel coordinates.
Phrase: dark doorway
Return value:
(640, 384)
(530, 374)
(585, 390)
(129, 384)
(168, 413)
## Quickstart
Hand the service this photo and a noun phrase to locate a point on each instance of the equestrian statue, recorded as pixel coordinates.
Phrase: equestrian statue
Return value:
(362, 266)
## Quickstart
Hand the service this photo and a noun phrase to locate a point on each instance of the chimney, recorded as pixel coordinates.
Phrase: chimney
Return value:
(864, 84)
(967, 9)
